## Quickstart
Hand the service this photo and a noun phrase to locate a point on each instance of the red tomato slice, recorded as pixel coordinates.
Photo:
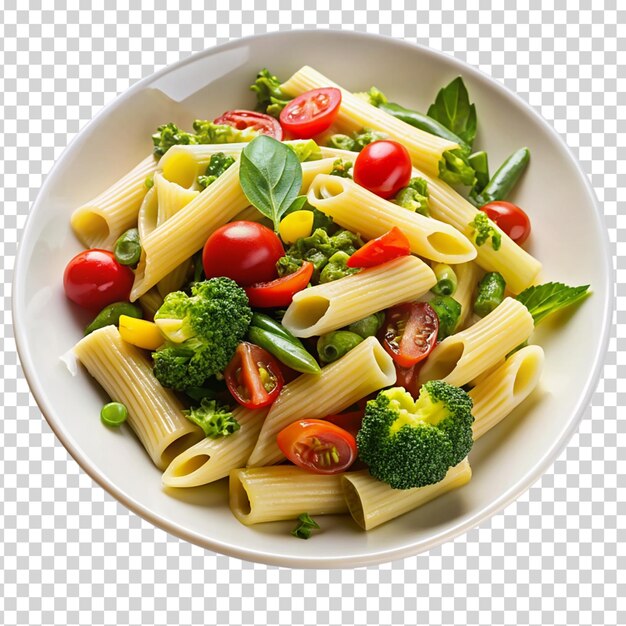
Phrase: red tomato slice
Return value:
(318, 446)
(311, 113)
(385, 248)
(350, 421)
(510, 218)
(253, 376)
(410, 332)
(383, 167)
(279, 292)
(242, 119)
(244, 251)
(94, 279)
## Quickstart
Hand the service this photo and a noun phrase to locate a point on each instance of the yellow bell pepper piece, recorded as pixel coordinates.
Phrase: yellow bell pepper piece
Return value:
(295, 225)
(181, 169)
(140, 333)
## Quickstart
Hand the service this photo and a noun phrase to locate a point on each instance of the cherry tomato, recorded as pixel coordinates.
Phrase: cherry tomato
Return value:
(244, 251)
(242, 119)
(407, 377)
(350, 421)
(311, 113)
(94, 279)
(410, 332)
(280, 292)
(318, 446)
(383, 167)
(253, 376)
(510, 218)
(385, 248)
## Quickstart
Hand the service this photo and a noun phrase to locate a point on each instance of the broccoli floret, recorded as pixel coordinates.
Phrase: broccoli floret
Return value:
(169, 135)
(202, 332)
(412, 443)
(342, 168)
(336, 268)
(414, 196)
(374, 96)
(483, 229)
(209, 132)
(270, 97)
(306, 150)
(215, 419)
(454, 168)
(218, 164)
(357, 141)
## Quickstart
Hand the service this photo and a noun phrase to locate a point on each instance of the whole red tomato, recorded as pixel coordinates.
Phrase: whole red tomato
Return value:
(510, 218)
(383, 167)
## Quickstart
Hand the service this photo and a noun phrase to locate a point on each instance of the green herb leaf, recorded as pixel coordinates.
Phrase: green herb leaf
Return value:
(270, 175)
(543, 300)
(305, 526)
(452, 108)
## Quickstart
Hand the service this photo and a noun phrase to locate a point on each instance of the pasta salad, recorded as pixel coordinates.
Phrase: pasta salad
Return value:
(326, 300)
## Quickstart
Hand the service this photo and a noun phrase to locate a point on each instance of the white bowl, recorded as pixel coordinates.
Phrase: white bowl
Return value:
(568, 237)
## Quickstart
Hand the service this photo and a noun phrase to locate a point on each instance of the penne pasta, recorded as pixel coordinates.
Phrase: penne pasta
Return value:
(283, 492)
(330, 306)
(154, 413)
(363, 370)
(101, 221)
(357, 209)
(355, 114)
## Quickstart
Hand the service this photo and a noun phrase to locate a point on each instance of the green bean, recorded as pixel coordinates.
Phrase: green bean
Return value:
(265, 322)
(291, 354)
(423, 122)
(333, 346)
(446, 280)
(490, 293)
(479, 162)
(127, 248)
(110, 315)
(368, 326)
(113, 414)
(448, 311)
(505, 178)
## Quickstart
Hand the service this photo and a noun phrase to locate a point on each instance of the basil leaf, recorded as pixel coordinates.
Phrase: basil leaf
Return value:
(542, 300)
(270, 175)
(452, 108)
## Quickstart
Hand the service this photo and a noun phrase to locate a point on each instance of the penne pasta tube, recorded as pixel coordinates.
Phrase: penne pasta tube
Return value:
(359, 210)
(372, 502)
(505, 388)
(329, 306)
(151, 302)
(171, 197)
(154, 413)
(101, 221)
(147, 214)
(283, 492)
(363, 370)
(355, 114)
(462, 357)
(212, 459)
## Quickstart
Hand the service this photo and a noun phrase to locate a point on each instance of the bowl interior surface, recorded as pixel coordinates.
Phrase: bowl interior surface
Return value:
(568, 237)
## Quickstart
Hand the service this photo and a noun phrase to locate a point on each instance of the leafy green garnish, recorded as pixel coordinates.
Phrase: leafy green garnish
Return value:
(341, 168)
(452, 108)
(357, 141)
(270, 175)
(218, 164)
(483, 229)
(215, 419)
(455, 169)
(306, 150)
(373, 96)
(543, 300)
(480, 163)
(306, 524)
(270, 97)
(414, 196)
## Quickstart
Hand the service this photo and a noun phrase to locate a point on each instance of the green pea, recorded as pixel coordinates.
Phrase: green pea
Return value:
(333, 346)
(368, 326)
(113, 414)
(490, 293)
(110, 315)
(127, 248)
(446, 280)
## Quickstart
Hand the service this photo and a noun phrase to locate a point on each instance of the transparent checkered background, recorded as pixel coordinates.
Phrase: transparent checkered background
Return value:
(72, 555)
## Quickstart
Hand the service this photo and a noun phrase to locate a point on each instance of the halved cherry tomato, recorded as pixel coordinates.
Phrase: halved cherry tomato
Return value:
(311, 113)
(94, 279)
(410, 332)
(279, 292)
(244, 251)
(318, 446)
(242, 119)
(510, 218)
(407, 377)
(350, 421)
(389, 246)
(253, 376)
(383, 167)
